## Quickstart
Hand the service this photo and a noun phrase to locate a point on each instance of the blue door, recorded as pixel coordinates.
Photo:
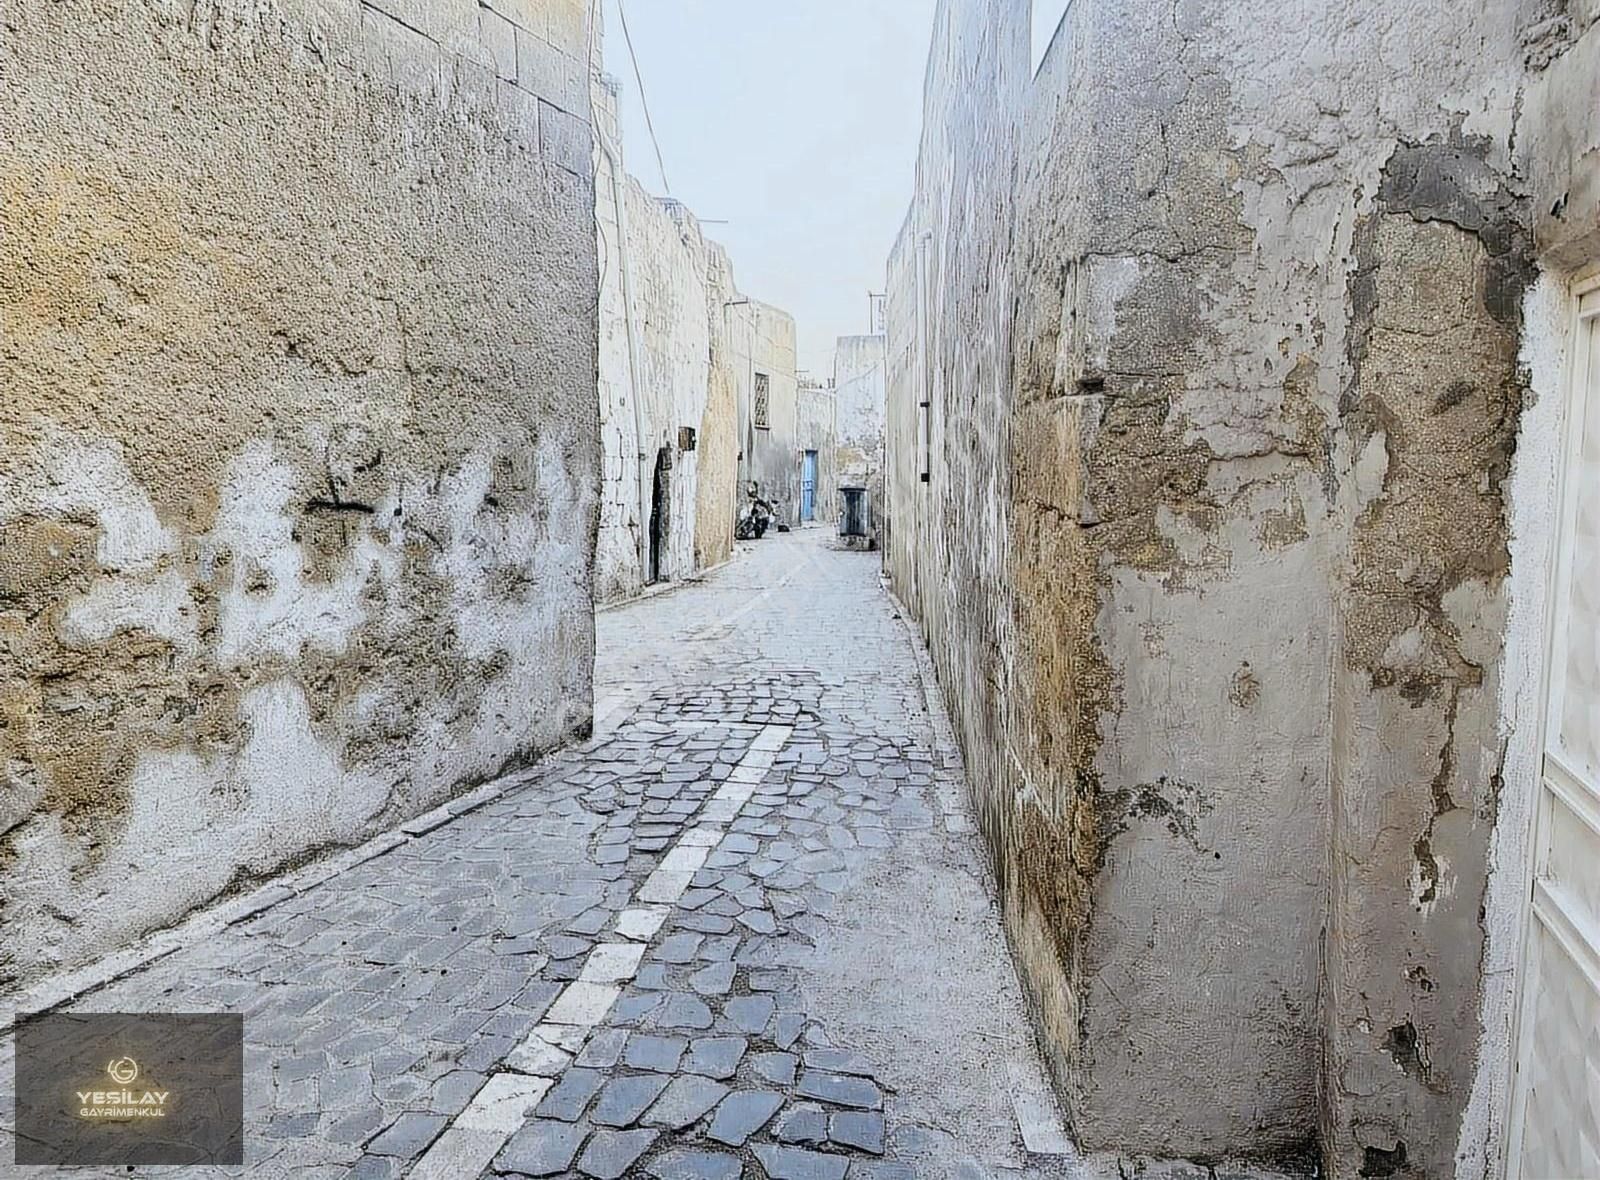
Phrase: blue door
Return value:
(808, 487)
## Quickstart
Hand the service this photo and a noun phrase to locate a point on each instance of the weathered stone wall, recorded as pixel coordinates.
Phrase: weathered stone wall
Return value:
(298, 465)
(762, 341)
(679, 350)
(858, 383)
(859, 375)
(666, 377)
(1234, 473)
(717, 493)
(906, 545)
(948, 311)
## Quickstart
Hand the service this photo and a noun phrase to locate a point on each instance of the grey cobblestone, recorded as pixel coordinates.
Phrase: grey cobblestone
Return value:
(611, 1153)
(741, 1114)
(715, 1057)
(686, 1100)
(681, 1164)
(795, 1163)
(572, 1095)
(381, 1001)
(625, 1098)
(542, 1148)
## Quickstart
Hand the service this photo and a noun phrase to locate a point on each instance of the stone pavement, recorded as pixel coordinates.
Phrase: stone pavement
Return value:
(743, 932)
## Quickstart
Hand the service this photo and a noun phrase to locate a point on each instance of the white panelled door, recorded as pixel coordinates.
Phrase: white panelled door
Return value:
(1555, 1117)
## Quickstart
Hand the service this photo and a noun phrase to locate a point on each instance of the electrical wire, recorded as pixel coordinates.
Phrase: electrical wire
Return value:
(639, 78)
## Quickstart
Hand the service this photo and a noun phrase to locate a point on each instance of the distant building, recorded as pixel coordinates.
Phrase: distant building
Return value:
(858, 381)
(815, 442)
(767, 387)
(697, 385)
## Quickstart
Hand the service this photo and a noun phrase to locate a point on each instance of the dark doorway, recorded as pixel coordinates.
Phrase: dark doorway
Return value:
(660, 506)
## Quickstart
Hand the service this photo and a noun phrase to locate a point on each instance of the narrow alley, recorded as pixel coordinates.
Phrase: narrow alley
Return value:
(699, 590)
(748, 921)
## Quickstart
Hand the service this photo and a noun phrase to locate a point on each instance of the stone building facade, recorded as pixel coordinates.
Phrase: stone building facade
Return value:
(1226, 363)
(816, 441)
(768, 399)
(682, 354)
(667, 380)
(859, 368)
(298, 462)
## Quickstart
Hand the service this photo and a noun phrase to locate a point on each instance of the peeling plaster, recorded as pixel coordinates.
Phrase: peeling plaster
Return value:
(298, 476)
(1247, 350)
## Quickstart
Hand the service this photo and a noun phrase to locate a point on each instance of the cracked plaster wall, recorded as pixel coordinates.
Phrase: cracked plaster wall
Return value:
(1221, 321)
(298, 464)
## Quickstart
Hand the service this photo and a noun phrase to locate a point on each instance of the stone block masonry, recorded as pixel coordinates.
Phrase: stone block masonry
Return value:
(298, 468)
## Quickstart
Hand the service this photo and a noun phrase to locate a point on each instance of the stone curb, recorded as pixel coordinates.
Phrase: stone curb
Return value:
(64, 988)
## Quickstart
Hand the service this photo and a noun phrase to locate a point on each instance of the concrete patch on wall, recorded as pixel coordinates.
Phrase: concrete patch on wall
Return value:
(1417, 752)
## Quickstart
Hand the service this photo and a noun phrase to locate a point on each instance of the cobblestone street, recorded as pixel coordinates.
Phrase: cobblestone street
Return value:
(743, 931)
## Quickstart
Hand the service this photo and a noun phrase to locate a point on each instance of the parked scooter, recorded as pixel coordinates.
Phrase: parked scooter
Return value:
(754, 517)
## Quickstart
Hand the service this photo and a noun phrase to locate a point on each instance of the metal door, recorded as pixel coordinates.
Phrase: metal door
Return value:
(808, 486)
(1555, 1115)
(660, 512)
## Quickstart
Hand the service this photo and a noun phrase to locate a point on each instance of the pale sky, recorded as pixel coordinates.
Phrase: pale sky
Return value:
(798, 124)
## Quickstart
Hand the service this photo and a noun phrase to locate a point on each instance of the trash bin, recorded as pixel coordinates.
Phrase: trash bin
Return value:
(854, 513)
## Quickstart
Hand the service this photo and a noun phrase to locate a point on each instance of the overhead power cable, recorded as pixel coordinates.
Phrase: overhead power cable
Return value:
(643, 101)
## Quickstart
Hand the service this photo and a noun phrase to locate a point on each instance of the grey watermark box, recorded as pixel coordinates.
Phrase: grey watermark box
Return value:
(125, 1088)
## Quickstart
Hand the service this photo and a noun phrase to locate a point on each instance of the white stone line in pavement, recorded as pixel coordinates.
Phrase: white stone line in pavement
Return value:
(721, 810)
(472, 1140)
(642, 922)
(545, 1053)
(771, 737)
(684, 857)
(478, 1133)
(612, 961)
(664, 888)
(583, 1003)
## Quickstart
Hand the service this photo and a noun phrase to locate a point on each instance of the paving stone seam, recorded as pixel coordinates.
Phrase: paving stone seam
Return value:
(469, 1143)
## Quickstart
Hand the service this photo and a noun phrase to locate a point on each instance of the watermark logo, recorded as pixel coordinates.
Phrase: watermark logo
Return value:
(125, 1088)
(144, 1103)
